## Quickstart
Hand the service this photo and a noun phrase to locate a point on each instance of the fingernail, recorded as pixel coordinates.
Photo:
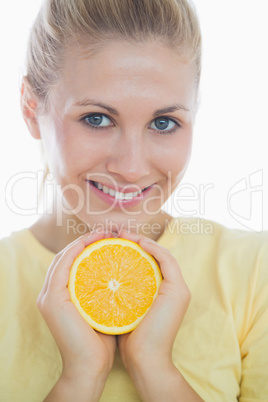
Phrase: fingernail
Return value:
(148, 240)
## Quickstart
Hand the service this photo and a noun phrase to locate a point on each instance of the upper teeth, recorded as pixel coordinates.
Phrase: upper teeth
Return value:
(116, 194)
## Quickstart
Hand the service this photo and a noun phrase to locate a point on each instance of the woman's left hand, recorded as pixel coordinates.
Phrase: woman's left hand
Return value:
(150, 344)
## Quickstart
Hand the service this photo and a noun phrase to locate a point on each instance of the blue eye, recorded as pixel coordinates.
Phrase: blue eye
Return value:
(164, 125)
(97, 120)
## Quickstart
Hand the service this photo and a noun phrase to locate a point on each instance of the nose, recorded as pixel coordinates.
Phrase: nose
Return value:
(129, 158)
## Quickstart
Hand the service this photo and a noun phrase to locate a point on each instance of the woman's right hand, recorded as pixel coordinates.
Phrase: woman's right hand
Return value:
(87, 355)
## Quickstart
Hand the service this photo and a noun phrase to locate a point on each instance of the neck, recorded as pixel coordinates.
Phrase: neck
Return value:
(55, 235)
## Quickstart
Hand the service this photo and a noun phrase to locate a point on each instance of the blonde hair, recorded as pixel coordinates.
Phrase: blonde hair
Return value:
(61, 24)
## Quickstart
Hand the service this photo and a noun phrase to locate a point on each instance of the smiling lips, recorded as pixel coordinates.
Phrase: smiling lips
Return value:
(117, 194)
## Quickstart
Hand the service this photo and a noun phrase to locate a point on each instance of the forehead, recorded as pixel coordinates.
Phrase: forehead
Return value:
(121, 71)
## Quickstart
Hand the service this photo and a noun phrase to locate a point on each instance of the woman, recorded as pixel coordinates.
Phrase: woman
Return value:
(111, 91)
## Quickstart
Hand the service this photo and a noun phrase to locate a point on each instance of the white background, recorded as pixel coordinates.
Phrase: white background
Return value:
(227, 179)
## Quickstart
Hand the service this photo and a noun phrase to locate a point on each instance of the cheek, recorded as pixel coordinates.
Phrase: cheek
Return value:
(173, 157)
(76, 150)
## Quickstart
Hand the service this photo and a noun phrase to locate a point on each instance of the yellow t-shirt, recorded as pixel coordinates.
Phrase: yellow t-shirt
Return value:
(221, 347)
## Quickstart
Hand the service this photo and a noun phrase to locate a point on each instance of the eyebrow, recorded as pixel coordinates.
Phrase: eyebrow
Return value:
(168, 109)
(90, 102)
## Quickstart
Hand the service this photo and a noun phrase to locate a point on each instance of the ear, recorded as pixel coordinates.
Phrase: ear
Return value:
(28, 104)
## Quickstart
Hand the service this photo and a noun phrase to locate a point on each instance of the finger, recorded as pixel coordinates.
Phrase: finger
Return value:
(60, 275)
(167, 262)
(124, 234)
(55, 261)
(50, 269)
(136, 237)
(174, 295)
(109, 234)
(169, 266)
(161, 254)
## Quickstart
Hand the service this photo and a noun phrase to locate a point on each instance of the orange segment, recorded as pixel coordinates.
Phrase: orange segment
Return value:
(113, 283)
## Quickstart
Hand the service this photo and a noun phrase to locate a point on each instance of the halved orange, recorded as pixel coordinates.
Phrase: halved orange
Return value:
(113, 284)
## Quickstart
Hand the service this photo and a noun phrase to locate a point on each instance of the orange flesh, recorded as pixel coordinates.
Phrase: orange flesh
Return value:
(115, 285)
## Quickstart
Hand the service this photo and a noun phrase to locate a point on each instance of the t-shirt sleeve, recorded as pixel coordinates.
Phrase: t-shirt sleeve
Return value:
(254, 347)
(6, 273)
